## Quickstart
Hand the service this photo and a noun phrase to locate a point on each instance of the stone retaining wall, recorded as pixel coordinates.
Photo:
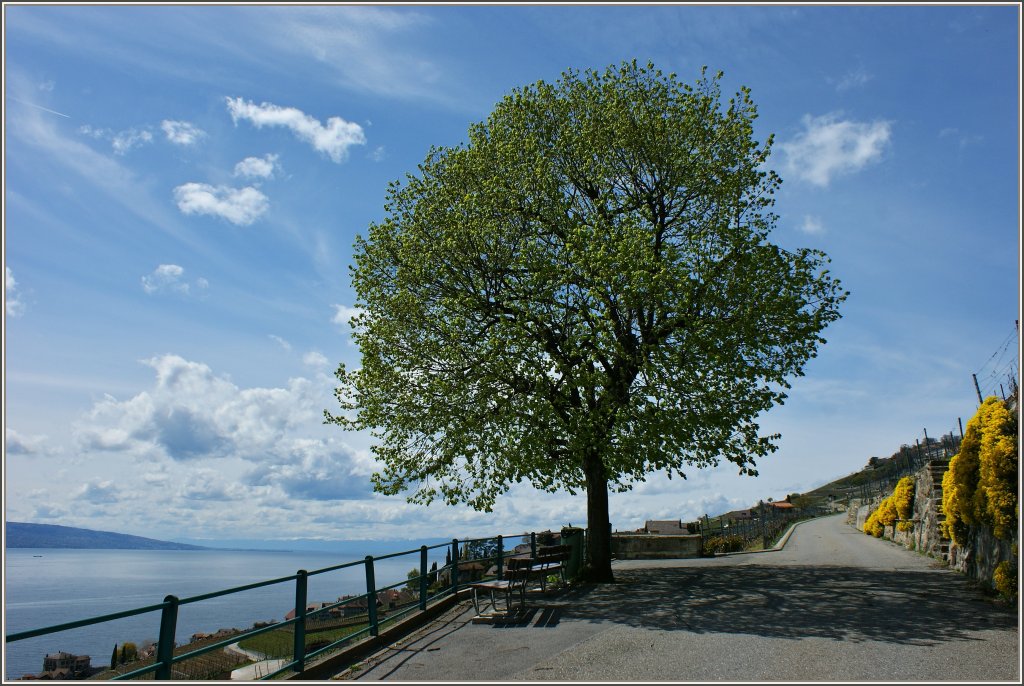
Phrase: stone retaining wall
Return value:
(977, 558)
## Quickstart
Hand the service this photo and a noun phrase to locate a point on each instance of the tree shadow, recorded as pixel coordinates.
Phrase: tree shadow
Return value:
(840, 603)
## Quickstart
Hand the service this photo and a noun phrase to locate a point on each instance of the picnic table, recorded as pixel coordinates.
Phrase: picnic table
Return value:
(521, 572)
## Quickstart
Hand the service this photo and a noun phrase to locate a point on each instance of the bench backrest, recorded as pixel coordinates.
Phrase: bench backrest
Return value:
(554, 553)
(517, 568)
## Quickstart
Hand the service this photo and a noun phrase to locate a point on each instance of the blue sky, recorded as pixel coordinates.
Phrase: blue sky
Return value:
(183, 186)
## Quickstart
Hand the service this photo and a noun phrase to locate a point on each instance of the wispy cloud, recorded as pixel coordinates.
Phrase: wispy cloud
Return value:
(334, 139)
(168, 278)
(257, 167)
(855, 78)
(13, 304)
(240, 206)
(829, 146)
(373, 49)
(285, 345)
(122, 142)
(102, 173)
(181, 132)
(812, 225)
(962, 139)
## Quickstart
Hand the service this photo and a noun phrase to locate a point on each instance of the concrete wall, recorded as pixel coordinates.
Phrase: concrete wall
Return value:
(655, 547)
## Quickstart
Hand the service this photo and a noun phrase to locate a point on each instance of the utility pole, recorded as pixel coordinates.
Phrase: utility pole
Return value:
(958, 421)
(975, 377)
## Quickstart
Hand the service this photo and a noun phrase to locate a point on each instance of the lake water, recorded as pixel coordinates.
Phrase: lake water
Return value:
(46, 587)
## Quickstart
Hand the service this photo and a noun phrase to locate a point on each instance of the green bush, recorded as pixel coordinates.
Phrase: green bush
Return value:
(723, 544)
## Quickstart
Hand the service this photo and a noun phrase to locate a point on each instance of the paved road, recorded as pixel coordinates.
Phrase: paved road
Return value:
(832, 605)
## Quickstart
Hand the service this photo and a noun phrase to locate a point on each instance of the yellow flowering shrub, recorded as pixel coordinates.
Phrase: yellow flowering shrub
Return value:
(996, 496)
(1005, 579)
(903, 501)
(980, 485)
(899, 505)
(873, 526)
(959, 483)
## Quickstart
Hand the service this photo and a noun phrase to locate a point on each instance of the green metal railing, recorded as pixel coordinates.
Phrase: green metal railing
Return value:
(163, 667)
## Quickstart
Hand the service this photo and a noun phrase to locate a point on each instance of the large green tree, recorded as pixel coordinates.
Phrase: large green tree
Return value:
(581, 295)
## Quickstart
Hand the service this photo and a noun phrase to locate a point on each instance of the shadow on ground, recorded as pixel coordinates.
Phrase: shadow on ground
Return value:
(842, 603)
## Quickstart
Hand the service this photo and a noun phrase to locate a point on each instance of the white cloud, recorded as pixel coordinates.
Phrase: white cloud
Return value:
(240, 206)
(257, 167)
(812, 225)
(232, 442)
(334, 139)
(343, 314)
(829, 146)
(165, 277)
(13, 304)
(181, 132)
(123, 141)
(378, 154)
(168, 278)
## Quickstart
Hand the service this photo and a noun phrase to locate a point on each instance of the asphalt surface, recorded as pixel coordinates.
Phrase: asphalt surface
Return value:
(832, 605)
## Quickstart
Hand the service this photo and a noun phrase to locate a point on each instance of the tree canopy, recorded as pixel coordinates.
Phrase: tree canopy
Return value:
(582, 294)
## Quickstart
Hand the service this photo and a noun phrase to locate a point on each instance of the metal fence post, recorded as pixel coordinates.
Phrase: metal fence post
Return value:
(501, 556)
(299, 646)
(455, 566)
(165, 647)
(533, 544)
(371, 596)
(423, 577)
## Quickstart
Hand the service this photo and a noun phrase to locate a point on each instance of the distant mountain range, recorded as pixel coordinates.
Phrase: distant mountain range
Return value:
(26, 535)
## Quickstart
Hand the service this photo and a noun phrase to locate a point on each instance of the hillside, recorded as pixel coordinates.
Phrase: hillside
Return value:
(26, 535)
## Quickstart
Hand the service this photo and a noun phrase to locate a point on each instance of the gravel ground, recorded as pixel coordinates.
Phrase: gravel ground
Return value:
(832, 605)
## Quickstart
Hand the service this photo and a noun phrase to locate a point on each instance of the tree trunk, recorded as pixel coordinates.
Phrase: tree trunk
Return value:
(597, 566)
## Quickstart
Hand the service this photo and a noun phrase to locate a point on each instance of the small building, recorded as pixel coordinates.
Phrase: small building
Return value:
(665, 528)
(310, 609)
(62, 665)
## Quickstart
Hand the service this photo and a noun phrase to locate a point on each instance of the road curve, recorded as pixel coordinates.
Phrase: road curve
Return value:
(832, 605)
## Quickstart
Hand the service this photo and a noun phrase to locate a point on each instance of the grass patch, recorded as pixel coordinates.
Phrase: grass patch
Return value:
(281, 643)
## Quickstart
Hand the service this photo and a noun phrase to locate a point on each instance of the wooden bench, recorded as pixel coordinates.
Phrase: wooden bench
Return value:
(517, 574)
(550, 561)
